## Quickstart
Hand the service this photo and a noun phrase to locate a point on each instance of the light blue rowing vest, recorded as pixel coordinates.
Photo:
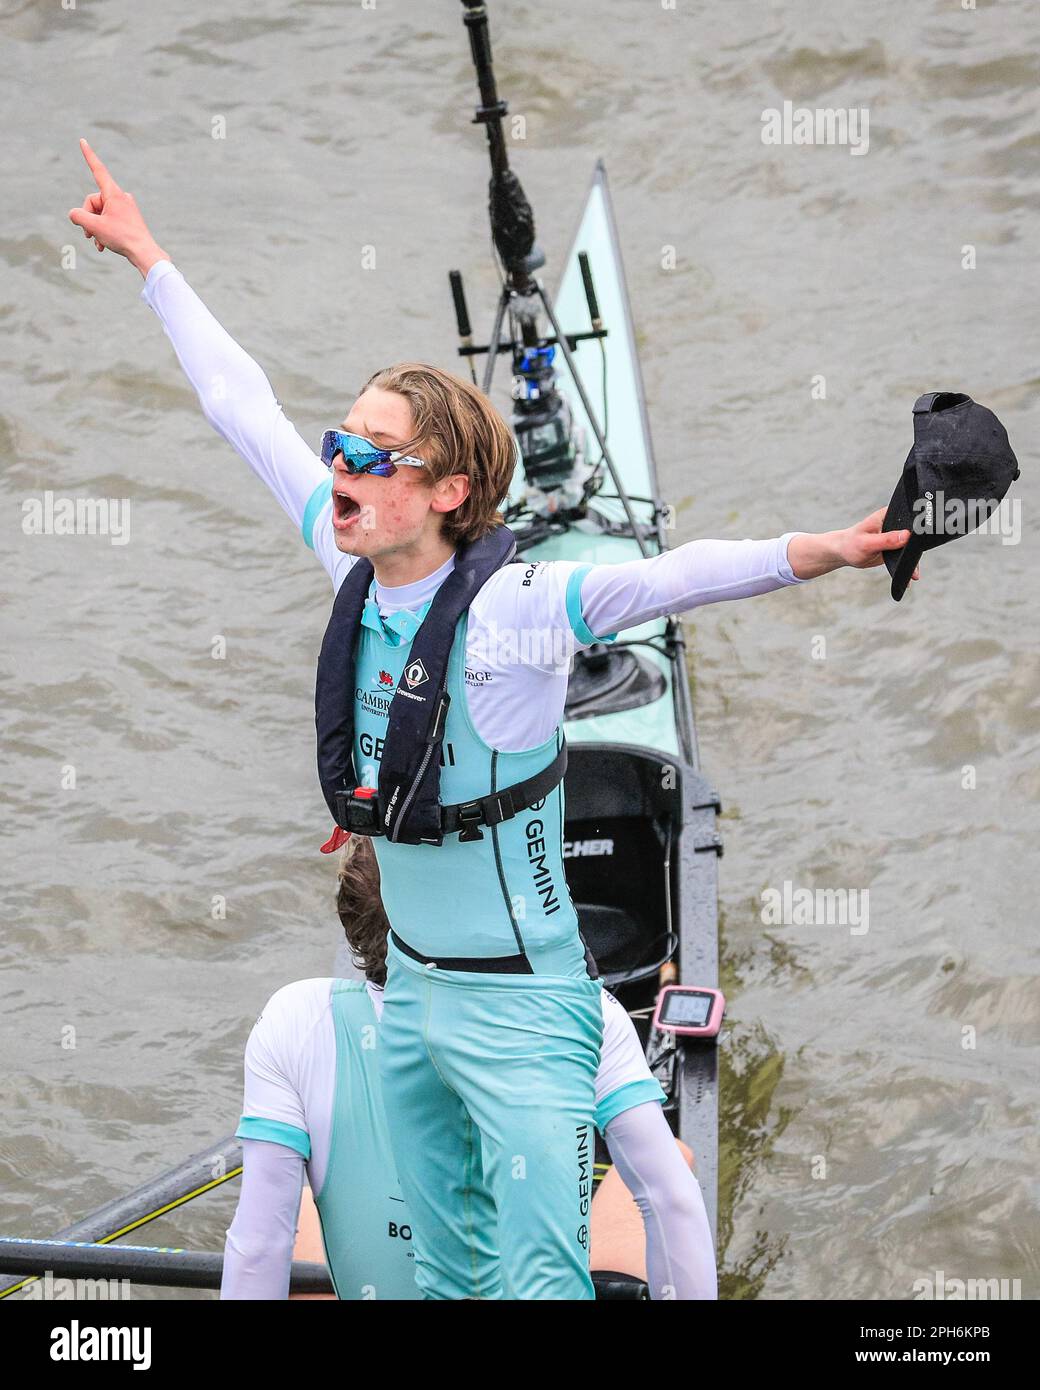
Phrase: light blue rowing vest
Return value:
(364, 1221)
(499, 896)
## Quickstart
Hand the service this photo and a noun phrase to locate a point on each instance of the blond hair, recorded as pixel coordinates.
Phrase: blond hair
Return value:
(458, 430)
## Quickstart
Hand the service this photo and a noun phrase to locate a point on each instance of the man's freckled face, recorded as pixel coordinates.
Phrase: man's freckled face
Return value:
(371, 514)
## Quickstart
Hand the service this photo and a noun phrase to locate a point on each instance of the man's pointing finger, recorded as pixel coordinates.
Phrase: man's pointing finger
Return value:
(105, 181)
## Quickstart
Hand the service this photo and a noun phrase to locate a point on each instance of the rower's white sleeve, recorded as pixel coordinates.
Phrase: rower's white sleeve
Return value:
(680, 1259)
(273, 1105)
(603, 600)
(276, 1144)
(546, 610)
(238, 401)
(623, 1078)
(259, 1246)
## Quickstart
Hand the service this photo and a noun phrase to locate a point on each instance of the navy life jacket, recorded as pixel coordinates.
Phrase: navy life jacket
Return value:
(406, 806)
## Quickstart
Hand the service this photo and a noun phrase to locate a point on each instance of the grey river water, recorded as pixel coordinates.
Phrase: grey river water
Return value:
(879, 1088)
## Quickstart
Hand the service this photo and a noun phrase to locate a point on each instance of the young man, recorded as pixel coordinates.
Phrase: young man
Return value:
(492, 1021)
(313, 1097)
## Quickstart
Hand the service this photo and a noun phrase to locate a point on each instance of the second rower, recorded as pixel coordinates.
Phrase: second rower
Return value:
(313, 1099)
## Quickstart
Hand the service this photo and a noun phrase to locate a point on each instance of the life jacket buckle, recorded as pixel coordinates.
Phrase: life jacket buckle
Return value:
(471, 815)
(358, 811)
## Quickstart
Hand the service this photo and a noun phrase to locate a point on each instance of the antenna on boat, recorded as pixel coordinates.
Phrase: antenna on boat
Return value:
(560, 480)
(512, 221)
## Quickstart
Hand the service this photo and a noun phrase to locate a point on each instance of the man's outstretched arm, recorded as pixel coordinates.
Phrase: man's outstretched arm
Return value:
(589, 603)
(615, 597)
(612, 598)
(234, 392)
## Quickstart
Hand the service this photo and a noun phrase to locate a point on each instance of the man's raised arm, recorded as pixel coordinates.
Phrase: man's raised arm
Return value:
(234, 393)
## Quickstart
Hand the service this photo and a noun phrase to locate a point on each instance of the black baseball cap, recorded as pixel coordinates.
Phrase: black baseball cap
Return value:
(954, 477)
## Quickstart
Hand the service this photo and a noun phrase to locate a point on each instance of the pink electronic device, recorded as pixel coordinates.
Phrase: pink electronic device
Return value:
(691, 1011)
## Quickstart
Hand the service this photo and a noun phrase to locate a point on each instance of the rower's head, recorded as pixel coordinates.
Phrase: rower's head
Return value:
(468, 452)
(361, 908)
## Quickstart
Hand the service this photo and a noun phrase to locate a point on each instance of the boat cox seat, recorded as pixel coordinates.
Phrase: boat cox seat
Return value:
(605, 680)
(623, 816)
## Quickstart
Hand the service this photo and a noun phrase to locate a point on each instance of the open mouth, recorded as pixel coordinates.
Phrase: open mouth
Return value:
(345, 511)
